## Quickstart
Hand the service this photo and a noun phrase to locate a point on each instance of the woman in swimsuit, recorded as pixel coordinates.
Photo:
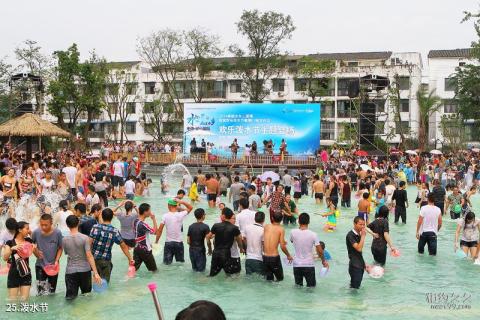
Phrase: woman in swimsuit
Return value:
(9, 190)
(28, 182)
(62, 186)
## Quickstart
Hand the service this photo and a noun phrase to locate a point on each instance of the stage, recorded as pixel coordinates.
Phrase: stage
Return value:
(204, 159)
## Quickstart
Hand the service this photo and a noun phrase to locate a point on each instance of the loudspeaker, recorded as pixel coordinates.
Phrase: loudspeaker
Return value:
(24, 108)
(367, 108)
(367, 124)
(353, 88)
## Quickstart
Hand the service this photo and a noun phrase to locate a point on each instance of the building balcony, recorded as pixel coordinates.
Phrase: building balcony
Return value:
(97, 134)
(208, 94)
(347, 114)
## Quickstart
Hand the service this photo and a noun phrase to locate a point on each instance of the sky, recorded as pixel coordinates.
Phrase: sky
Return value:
(112, 27)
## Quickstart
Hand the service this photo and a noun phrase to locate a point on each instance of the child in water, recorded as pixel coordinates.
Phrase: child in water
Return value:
(193, 192)
(364, 207)
(164, 185)
(331, 224)
(379, 202)
(146, 189)
(326, 254)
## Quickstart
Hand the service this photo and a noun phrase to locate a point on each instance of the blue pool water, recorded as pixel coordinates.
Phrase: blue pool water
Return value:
(401, 294)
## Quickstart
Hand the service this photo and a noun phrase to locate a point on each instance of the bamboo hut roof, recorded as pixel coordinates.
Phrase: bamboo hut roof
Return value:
(31, 125)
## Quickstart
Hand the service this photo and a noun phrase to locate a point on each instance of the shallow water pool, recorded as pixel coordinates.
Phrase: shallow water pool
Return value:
(405, 292)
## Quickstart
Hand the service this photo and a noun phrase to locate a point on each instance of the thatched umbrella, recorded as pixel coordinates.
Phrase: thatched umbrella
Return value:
(30, 125)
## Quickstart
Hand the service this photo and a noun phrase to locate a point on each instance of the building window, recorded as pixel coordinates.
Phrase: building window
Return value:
(395, 61)
(278, 101)
(450, 84)
(461, 64)
(404, 105)
(278, 85)
(405, 127)
(404, 83)
(450, 106)
(327, 130)
(328, 87)
(352, 64)
(213, 89)
(346, 132)
(131, 88)
(165, 87)
(380, 105)
(149, 87)
(184, 89)
(130, 108)
(299, 101)
(345, 109)
(343, 85)
(327, 109)
(300, 85)
(172, 127)
(148, 107)
(130, 127)
(235, 86)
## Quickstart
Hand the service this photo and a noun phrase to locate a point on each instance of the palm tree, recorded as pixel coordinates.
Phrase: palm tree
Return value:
(428, 104)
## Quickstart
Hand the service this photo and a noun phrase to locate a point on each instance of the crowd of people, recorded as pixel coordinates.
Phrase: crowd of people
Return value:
(379, 185)
(107, 148)
(253, 214)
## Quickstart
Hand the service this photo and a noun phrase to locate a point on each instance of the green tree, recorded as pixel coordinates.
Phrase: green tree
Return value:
(77, 89)
(156, 114)
(6, 71)
(428, 104)
(121, 87)
(467, 77)
(316, 74)
(182, 60)
(261, 60)
(453, 131)
(394, 99)
(92, 84)
(201, 48)
(63, 89)
(164, 51)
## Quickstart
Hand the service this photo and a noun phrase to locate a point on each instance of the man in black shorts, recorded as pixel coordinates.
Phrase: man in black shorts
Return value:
(355, 241)
(273, 236)
(80, 263)
(224, 234)
(143, 248)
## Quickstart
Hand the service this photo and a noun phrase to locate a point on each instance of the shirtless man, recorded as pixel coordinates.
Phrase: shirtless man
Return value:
(201, 182)
(364, 207)
(274, 235)
(213, 190)
(361, 174)
(79, 178)
(318, 189)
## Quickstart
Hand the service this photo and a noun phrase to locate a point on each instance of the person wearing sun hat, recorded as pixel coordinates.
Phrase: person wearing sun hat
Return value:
(173, 221)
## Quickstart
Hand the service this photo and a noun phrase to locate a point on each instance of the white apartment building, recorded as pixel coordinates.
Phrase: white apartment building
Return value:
(337, 112)
(441, 67)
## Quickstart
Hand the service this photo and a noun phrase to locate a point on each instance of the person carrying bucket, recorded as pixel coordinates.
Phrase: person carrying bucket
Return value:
(48, 252)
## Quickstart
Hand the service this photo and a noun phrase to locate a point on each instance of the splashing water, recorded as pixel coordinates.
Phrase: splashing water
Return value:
(171, 173)
(28, 208)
